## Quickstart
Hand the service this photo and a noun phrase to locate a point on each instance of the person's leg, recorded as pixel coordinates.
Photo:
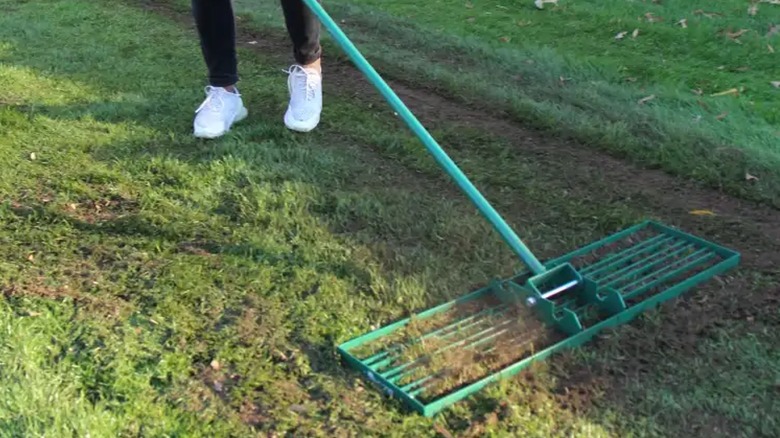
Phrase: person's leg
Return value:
(304, 30)
(305, 80)
(223, 106)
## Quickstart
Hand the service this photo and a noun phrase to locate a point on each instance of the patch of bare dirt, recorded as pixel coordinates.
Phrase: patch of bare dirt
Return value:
(107, 208)
(252, 415)
(38, 288)
(447, 351)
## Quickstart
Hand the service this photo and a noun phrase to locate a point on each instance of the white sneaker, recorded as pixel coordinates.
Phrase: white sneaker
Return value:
(305, 87)
(218, 112)
(540, 3)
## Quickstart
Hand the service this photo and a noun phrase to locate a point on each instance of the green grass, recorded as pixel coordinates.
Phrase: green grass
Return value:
(455, 49)
(663, 53)
(722, 387)
(156, 285)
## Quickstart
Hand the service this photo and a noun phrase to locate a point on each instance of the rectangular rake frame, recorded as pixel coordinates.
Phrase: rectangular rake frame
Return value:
(635, 269)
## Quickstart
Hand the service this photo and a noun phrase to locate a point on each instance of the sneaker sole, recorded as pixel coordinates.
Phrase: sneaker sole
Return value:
(241, 115)
(299, 126)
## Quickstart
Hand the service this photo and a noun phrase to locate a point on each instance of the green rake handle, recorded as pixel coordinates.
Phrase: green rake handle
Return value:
(438, 153)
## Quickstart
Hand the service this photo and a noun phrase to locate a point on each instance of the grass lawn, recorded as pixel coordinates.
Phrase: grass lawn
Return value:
(157, 285)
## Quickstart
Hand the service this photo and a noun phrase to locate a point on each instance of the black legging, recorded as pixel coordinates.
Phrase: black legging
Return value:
(217, 29)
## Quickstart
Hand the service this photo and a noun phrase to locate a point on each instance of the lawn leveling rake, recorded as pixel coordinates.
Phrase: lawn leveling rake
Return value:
(437, 357)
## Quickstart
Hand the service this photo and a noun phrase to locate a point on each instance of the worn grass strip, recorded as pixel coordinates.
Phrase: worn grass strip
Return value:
(583, 94)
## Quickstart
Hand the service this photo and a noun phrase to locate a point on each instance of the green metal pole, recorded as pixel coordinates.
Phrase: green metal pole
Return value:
(438, 153)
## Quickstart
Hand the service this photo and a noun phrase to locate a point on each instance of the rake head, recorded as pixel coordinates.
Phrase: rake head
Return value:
(444, 354)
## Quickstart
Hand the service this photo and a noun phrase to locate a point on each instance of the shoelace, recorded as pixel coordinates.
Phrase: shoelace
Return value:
(307, 86)
(213, 100)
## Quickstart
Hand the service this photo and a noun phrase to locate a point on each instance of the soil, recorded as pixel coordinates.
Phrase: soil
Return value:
(108, 208)
(37, 287)
(742, 225)
(457, 356)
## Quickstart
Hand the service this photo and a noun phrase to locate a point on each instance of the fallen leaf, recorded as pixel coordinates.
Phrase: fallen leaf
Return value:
(215, 365)
(770, 48)
(773, 30)
(722, 115)
(442, 431)
(253, 42)
(702, 213)
(652, 18)
(749, 177)
(743, 69)
(31, 258)
(635, 33)
(698, 91)
(504, 39)
(620, 35)
(644, 100)
(470, 19)
(738, 33)
(752, 10)
(469, 5)
(706, 14)
(683, 23)
(732, 91)
(734, 36)
(630, 79)
(280, 355)
(298, 409)
(775, 84)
